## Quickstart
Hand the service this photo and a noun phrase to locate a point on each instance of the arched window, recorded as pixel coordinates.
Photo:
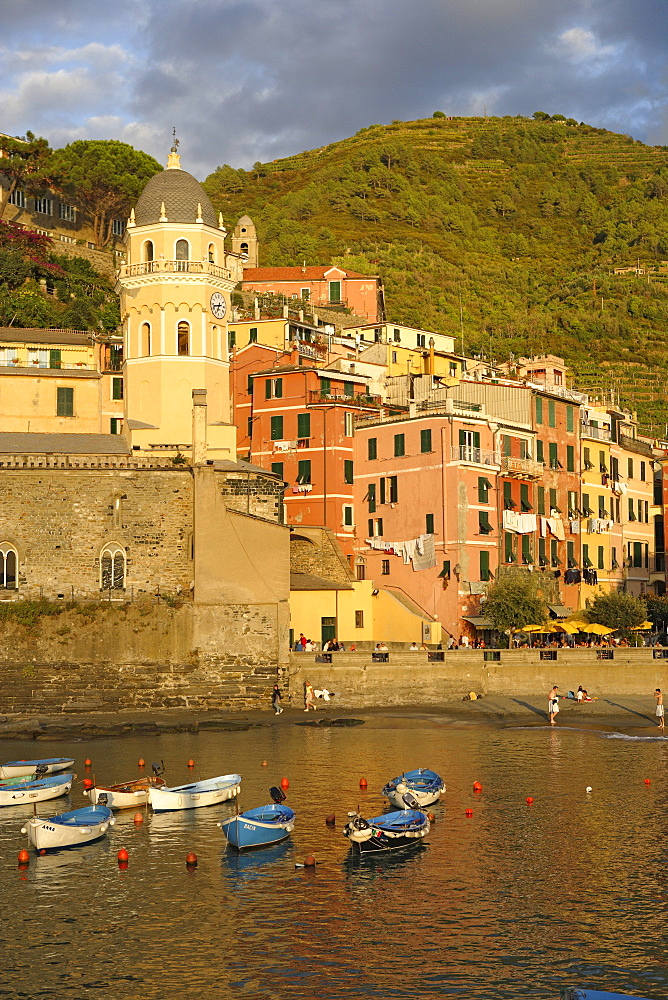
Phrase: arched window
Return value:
(8, 565)
(182, 250)
(212, 253)
(244, 249)
(183, 338)
(112, 567)
(148, 250)
(145, 340)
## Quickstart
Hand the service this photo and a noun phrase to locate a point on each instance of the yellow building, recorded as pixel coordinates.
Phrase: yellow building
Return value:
(175, 303)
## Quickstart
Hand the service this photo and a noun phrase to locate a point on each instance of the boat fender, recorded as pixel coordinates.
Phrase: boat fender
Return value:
(359, 824)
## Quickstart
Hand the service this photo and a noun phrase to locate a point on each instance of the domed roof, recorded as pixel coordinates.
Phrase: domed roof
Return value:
(181, 194)
(245, 220)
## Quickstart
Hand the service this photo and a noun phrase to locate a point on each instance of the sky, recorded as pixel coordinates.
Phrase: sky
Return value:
(249, 80)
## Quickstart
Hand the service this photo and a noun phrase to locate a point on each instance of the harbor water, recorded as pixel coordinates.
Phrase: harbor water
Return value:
(514, 901)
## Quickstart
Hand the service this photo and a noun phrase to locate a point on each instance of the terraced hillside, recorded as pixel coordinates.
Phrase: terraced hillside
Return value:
(506, 230)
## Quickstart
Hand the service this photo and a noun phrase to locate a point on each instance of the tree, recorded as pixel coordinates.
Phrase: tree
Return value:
(105, 177)
(617, 610)
(27, 165)
(515, 600)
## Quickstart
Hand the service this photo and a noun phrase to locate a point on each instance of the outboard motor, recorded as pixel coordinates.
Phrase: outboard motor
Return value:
(102, 799)
(277, 795)
(41, 771)
(158, 768)
(410, 800)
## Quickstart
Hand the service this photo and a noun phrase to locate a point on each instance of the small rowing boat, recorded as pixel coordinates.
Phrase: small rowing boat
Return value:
(20, 791)
(424, 785)
(261, 826)
(125, 795)
(209, 792)
(81, 826)
(391, 832)
(48, 765)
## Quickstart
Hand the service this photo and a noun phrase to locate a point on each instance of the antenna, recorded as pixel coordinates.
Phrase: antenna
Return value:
(175, 142)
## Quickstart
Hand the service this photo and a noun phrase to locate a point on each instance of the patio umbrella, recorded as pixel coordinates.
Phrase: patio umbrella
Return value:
(578, 625)
(597, 629)
(641, 628)
(571, 628)
(534, 628)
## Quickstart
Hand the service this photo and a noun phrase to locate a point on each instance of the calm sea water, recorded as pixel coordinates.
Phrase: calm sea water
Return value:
(514, 902)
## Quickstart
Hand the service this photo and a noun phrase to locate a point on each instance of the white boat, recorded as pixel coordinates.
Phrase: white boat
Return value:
(48, 765)
(199, 793)
(125, 795)
(22, 791)
(424, 785)
(69, 829)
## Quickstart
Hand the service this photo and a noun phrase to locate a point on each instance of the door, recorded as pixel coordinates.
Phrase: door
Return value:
(327, 629)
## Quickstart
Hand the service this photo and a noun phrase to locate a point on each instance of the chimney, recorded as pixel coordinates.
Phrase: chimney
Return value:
(256, 310)
(199, 426)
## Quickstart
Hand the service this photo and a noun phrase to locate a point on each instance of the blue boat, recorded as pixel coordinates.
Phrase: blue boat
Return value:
(426, 786)
(20, 791)
(80, 826)
(395, 830)
(261, 826)
(46, 765)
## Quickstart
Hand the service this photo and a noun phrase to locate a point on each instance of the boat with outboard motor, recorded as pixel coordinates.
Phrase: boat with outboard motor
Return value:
(261, 826)
(34, 788)
(405, 828)
(22, 768)
(126, 794)
(424, 785)
(209, 792)
(80, 826)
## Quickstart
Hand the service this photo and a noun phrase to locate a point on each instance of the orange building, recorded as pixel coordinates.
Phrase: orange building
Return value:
(329, 287)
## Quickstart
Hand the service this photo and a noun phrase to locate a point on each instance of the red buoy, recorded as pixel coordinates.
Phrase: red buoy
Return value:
(139, 818)
(363, 783)
(191, 763)
(477, 787)
(191, 860)
(330, 820)
(87, 762)
(122, 855)
(469, 813)
(264, 763)
(529, 800)
(141, 762)
(23, 857)
(285, 783)
(431, 817)
(87, 783)
(309, 861)
(42, 851)
(647, 781)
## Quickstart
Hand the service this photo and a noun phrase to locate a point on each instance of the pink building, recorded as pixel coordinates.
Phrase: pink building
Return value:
(329, 287)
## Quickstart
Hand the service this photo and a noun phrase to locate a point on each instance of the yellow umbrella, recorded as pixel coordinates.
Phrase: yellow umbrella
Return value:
(571, 628)
(534, 628)
(578, 625)
(641, 628)
(597, 629)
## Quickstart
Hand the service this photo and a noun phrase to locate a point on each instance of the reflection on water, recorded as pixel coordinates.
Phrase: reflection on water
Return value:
(513, 902)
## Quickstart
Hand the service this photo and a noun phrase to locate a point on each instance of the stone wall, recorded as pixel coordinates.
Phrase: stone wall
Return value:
(252, 493)
(317, 552)
(410, 679)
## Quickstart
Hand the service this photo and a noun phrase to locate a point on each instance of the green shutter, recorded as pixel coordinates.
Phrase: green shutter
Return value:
(303, 425)
(551, 413)
(277, 428)
(541, 499)
(570, 458)
(371, 497)
(372, 448)
(64, 402)
(483, 488)
(540, 456)
(349, 389)
(55, 358)
(348, 471)
(399, 445)
(325, 386)
(429, 524)
(539, 409)
(277, 469)
(570, 553)
(506, 445)
(304, 471)
(508, 537)
(601, 563)
(425, 440)
(117, 388)
(527, 558)
(570, 421)
(553, 455)
(484, 565)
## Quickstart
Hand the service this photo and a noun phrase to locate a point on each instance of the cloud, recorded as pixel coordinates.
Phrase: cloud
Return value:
(247, 80)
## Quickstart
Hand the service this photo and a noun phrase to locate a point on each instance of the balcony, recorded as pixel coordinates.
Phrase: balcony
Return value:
(318, 398)
(174, 267)
(475, 456)
(521, 468)
(597, 433)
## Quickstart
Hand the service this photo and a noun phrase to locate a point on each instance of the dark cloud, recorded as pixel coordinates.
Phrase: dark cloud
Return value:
(255, 80)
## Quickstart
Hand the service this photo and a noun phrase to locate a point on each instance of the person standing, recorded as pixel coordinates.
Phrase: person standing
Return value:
(276, 700)
(301, 643)
(553, 703)
(309, 697)
(659, 709)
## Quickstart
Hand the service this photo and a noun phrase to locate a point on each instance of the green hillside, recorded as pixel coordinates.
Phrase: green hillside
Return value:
(520, 220)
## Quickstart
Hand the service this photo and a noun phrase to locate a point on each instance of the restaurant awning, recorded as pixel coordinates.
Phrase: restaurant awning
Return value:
(478, 621)
(559, 611)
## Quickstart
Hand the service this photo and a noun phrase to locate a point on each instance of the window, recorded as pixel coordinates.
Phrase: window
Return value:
(614, 468)
(630, 468)
(360, 570)
(525, 503)
(508, 541)
(252, 335)
(614, 563)
(453, 369)
(554, 458)
(325, 387)
(632, 513)
(551, 413)
(55, 358)
(347, 515)
(570, 554)
(527, 558)
(303, 425)
(304, 471)
(484, 486)
(183, 339)
(231, 339)
(445, 572)
(273, 388)
(570, 458)
(145, 340)
(277, 428)
(64, 402)
(182, 250)
(359, 619)
(586, 561)
(643, 468)
(348, 424)
(115, 425)
(212, 254)
(421, 340)
(586, 509)
(382, 491)
(542, 558)
(393, 483)
(38, 358)
(484, 566)
(277, 469)
(506, 445)
(396, 335)
(348, 472)
(553, 501)
(117, 388)
(112, 567)
(602, 512)
(249, 428)
(602, 464)
(17, 198)
(372, 448)
(118, 227)
(600, 557)
(399, 445)
(385, 567)
(484, 526)
(539, 409)
(335, 292)
(425, 440)
(429, 524)
(67, 212)
(572, 503)
(379, 527)
(588, 464)
(394, 357)
(147, 251)
(540, 454)
(371, 497)
(305, 294)
(554, 553)
(637, 553)
(8, 563)
(541, 499)
(349, 389)
(249, 385)
(508, 501)
(369, 524)
(646, 550)
(570, 419)
(44, 206)
(469, 446)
